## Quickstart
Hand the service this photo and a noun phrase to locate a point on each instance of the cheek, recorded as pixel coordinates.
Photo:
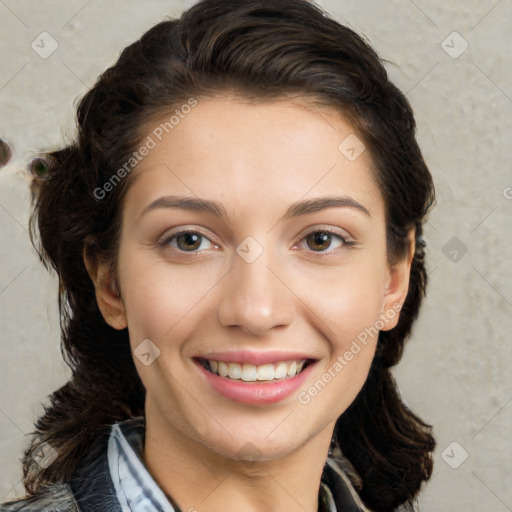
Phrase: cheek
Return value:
(347, 302)
(160, 299)
(352, 335)
(349, 308)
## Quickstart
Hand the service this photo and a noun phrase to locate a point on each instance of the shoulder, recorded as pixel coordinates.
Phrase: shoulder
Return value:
(57, 497)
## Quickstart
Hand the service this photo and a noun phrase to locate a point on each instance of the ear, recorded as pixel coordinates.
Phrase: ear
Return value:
(397, 285)
(107, 293)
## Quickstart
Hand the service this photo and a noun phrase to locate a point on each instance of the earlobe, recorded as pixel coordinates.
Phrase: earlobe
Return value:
(107, 293)
(397, 286)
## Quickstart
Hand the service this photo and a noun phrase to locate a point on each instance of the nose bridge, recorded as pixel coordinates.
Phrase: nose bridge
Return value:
(254, 298)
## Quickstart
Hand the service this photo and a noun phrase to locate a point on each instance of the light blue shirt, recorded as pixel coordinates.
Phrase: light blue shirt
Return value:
(135, 488)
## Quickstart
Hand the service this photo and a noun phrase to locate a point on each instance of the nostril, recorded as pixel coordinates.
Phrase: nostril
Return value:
(5, 153)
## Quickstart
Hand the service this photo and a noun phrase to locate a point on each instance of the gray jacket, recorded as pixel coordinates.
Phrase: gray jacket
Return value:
(55, 498)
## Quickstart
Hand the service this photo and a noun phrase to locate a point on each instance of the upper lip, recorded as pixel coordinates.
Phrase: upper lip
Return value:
(255, 358)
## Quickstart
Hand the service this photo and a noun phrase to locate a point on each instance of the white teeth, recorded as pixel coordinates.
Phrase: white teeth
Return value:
(249, 372)
(235, 371)
(281, 371)
(223, 369)
(252, 373)
(266, 372)
(292, 369)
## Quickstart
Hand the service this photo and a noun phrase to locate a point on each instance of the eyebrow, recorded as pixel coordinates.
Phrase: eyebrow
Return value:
(303, 207)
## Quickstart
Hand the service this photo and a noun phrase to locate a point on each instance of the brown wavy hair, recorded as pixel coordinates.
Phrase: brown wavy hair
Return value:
(265, 50)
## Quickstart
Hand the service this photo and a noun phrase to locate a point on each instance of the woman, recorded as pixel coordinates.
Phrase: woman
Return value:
(237, 232)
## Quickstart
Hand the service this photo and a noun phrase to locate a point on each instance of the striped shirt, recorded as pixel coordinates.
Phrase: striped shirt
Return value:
(135, 487)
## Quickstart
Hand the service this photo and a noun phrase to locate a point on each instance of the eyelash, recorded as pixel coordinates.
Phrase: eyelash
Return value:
(347, 243)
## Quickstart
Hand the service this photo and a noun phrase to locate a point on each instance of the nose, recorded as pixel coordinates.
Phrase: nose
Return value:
(255, 297)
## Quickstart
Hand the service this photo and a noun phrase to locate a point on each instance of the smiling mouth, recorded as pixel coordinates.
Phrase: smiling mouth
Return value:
(255, 373)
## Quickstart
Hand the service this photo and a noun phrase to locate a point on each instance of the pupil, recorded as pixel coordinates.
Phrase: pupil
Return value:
(321, 238)
(190, 239)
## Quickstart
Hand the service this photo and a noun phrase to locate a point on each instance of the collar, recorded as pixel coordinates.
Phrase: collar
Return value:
(135, 487)
(116, 473)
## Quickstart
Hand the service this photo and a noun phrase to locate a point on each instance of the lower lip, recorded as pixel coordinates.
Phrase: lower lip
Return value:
(258, 392)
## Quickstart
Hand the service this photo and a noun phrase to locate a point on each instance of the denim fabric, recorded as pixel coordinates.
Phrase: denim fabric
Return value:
(339, 486)
(92, 484)
(89, 490)
(55, 498)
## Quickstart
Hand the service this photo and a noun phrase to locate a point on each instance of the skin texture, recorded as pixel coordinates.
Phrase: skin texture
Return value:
(296, 295)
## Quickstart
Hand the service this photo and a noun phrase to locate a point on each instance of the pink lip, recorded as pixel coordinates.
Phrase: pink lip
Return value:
(256, 358)
(256, 393)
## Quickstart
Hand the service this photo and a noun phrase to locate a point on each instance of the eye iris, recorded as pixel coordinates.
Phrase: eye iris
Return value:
(190, 239)
(321, 238)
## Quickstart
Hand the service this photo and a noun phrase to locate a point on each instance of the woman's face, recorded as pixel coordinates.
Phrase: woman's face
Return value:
(256, 288)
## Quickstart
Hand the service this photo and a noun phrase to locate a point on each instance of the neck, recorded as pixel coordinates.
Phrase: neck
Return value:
(199, 479)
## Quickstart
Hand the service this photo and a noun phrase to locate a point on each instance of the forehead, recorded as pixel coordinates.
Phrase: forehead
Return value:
(253, 155)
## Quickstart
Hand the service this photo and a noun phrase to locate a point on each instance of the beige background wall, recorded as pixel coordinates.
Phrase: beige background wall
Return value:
(456, 370)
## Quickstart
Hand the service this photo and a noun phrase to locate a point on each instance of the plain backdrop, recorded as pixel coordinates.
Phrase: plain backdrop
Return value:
(454, 62)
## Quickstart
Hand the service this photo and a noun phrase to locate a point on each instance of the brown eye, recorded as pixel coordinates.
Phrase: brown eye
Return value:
(185, 241)
(189, 241)
(320, 240)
